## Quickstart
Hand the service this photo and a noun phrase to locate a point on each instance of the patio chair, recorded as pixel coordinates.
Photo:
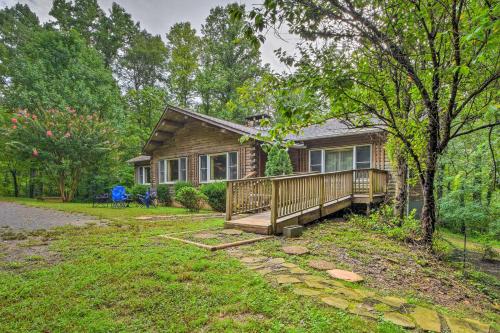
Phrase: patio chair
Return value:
(101, 199)
(147, 200)
(119, 197)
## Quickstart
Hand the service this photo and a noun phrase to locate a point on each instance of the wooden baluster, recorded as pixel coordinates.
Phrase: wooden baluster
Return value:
(229, 200)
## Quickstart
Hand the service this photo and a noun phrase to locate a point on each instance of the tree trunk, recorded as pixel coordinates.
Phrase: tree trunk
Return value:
(401, 195)
(428, 217)
(13, 173)
(62, 186)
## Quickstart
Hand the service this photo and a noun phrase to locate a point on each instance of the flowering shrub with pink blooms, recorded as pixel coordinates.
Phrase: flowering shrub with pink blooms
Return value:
(63, 142)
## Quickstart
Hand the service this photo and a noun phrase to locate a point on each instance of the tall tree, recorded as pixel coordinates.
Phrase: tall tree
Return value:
(58, 70)
(183, 49)
(228, 58)
(360, 52)
(144, 61)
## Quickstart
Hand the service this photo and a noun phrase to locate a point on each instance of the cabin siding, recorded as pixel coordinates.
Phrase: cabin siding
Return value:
(196, 138)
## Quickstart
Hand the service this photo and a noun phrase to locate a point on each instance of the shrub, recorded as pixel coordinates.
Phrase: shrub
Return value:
(278, 162)
(164, 195)
(181, 184)
(138, 189)
(216, 195)
(190, 198)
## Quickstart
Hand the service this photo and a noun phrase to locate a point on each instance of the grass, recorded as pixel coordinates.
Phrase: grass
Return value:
(473, 244)
(121, 277)
(102, 212)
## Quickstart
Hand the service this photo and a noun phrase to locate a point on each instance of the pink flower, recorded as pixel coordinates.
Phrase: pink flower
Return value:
(49, 133)
(14, 120)
(35, 152)
(14, 126)
(67, 135)
(34, 117)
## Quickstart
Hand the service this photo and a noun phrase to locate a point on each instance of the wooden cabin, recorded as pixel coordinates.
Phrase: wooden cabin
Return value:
(190, 146)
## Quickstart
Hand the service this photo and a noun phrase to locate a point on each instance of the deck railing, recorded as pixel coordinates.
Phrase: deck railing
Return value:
(287, 195)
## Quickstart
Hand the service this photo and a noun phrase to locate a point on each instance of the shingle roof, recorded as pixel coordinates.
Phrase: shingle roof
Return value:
(140, 158)
(331, 128)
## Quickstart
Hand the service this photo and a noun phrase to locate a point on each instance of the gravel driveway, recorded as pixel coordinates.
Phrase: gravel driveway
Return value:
(18, 216)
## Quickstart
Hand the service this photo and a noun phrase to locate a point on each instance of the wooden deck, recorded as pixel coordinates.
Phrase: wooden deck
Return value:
(266, 205)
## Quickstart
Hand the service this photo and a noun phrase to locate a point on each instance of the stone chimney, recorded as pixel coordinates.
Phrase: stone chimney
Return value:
(254, 121)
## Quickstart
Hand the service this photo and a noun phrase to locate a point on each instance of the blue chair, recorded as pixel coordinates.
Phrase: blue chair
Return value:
(119, 196)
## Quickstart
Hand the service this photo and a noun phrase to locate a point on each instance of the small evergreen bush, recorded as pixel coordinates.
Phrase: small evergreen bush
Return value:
(164, 195)
(216, 195)
(190, 198)
(138, 189)
(278, 162)
(181, 184)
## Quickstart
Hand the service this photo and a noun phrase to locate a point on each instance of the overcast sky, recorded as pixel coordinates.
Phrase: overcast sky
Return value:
(157, 16)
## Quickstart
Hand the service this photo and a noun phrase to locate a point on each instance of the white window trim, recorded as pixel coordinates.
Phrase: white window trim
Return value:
(323, 150)
(165, 160)
(143, 180)
(227, 167)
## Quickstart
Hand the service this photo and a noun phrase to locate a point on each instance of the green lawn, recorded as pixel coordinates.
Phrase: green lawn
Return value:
(123, 278)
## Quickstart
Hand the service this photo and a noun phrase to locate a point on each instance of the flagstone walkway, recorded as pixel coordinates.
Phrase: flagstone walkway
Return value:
(349, 297)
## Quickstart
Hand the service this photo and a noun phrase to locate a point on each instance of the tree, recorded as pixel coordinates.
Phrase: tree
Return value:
(64, 144)
(427, 72)
(144, 62)
(183, 53)
(278, 162)
(228, 58)
(58, 70)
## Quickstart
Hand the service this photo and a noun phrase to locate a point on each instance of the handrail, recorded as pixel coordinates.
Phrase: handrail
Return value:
(287, 195)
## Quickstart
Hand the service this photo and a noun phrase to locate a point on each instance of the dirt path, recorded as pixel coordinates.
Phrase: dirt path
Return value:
(22, 217)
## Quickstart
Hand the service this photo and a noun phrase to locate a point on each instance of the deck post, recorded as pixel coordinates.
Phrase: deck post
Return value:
(321, 194)
(370, 185)
(274, 204)
(229, 200)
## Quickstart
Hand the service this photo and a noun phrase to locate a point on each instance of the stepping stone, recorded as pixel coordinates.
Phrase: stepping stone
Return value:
(399, 319)
(344, 275)
(321, 265)
(361, 310)
(252, 260)
(315, 284)
(288, 265)
(286, 279)
(306, 292)
(276, 261)
(365, 293)
(205, 235)
(255, 267)
(336, 302)
(426, 319)
(466, 325)
(295, 250)
(234, 232)
(264, 271)
(298, 270)
(392, 301)
(348, 293)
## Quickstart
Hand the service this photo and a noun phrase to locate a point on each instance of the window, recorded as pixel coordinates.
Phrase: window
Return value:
(218, 167)
(144, 176)
(329, 160)
(363, 157)
(316, 161)
(172, 170)
(338, 160)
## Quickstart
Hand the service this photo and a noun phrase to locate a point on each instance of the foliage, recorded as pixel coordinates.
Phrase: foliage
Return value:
(138, 189)
(416, 72)
(216, 195)
(384, 221)
(164, 195)
(278, 162)
(191, 198)
(62, 142)
(180, 185)
(183, 53)
(227, 59)
(42, 76)
(143, 63)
